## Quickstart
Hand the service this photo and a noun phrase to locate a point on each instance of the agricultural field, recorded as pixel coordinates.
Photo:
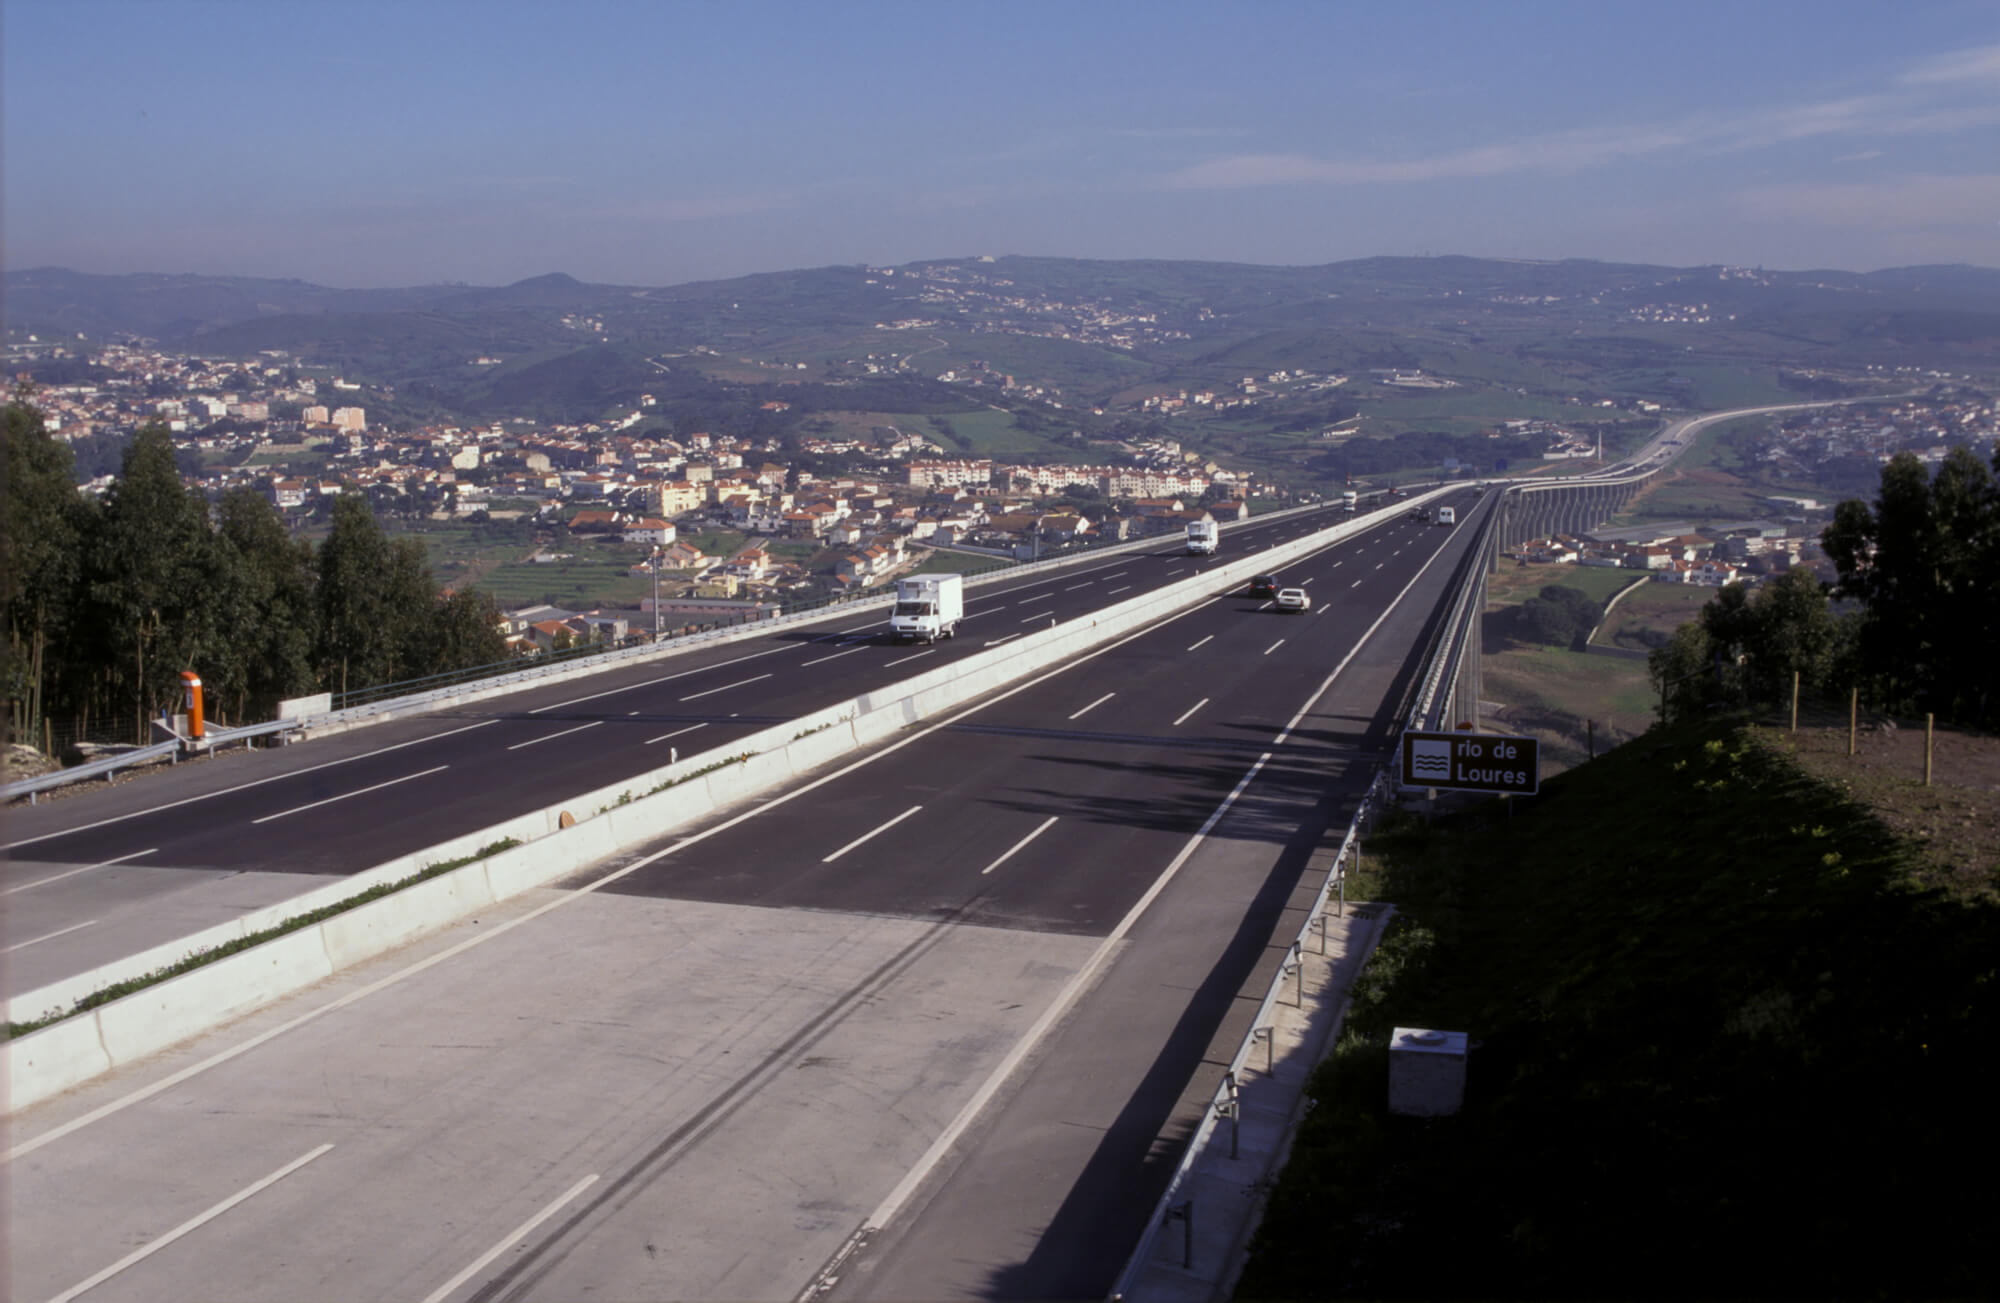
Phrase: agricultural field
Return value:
(1564, 698)
(1651, 614)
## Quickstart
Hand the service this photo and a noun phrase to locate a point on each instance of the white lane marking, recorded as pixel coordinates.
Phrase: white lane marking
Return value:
(1171, 573)
(242, 787)
(859, 628)
(676, 733)
(515, 1236)
(995, 642)
(836, 656)
(548, 736)
(1355, 584)
(1303, 582)
(1267, 605)
(1043, 616)
(1085, 584)
(1120, 575)
(300, 809)
(1122, 588)
(46, 936)
(1093, 705)
(974, 615)
(71, 873)
(1017, 846)
(1044, 597)
(695, 696)
(194, 1223)
(669, 678)
(583, 890)
(1380, 564)
(865, 837)
(1210, 638)
(1336, 565)
(912, 657)
(1397, 552)
(1274, 646)
(1190, 710)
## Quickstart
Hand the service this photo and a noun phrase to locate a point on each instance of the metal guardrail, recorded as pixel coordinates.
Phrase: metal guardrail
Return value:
(1225, 1105)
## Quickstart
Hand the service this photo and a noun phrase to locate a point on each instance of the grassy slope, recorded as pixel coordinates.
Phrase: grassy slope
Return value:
(1722, 1047)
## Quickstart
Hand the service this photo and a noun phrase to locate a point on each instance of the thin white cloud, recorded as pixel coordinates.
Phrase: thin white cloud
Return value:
(693, 208)
(1911, 111)
(1903, 203)
(1979, 63)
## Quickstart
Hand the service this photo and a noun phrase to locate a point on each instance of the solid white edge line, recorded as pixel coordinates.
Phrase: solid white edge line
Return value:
(1017, 846)
(549, 737)
(676, 733)
(1093, 705)
(301, 809)
(709, 692)
(1190, 710)
(220, 1057)
(1087, 975)
(47, 936)
(71, 873)
(242, 787)
(865, 837)
(515, 1236)
(194, 1223)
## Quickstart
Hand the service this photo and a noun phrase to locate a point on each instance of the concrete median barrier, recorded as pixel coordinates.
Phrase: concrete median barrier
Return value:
(609, 821)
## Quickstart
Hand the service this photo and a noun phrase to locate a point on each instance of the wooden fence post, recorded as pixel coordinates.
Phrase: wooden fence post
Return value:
(1929, 720)
(1853, 712)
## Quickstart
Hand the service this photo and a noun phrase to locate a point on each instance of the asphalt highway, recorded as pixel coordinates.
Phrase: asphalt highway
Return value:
(104, 874)
(956, 989)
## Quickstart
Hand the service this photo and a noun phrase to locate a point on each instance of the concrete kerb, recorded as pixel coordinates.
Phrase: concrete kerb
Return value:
(57, 1057)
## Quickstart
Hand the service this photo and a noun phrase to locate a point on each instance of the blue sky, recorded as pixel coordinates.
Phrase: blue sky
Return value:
(365, 144)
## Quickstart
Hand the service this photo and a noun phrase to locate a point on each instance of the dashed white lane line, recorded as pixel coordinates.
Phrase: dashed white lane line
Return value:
(519, 1233)
(676, 733)
(71, 873)
(548, 736)
(669, 678)
(1085, 584)
(1303, 582)
(1042, 616)
(243, 787)
(864, 838)
(189, 1226)
(300, 809)
(47, 936)
(1189, 711)
(1093, 705)
(725, 687)
(836, 656)
(995, 642)
(1122, 588)
(909, 658)
(1011, 850)
(1210, 638)
(1274, 646)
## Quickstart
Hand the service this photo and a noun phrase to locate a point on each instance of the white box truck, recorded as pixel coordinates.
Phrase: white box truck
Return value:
(1350, 501)
(1203, 537)
(1446, 516)
(928, 607)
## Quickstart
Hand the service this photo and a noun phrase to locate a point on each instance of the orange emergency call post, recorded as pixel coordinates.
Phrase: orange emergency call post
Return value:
(191, 699)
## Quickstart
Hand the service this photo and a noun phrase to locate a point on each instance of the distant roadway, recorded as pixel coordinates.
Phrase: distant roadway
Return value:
(966, 993)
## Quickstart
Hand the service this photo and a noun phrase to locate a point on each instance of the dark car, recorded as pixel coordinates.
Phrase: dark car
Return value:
(1264, 586)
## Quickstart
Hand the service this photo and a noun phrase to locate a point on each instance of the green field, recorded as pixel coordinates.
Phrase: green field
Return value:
(1564, 696)
(1656, 609)
(1517, 583)
(1457, 411)
(987, 433)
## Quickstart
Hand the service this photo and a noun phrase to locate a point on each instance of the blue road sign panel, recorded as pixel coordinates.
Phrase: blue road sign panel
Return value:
(1472, 762)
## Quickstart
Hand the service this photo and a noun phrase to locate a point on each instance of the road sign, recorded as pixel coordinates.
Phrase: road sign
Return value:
(1472, 762)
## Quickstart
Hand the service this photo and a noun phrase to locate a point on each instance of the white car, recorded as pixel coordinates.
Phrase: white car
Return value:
(1293, 599)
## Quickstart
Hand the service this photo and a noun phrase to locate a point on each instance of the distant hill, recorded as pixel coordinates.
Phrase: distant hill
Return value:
(1076, 332)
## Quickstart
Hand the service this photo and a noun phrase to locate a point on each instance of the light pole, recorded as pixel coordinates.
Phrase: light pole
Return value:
(656, 592)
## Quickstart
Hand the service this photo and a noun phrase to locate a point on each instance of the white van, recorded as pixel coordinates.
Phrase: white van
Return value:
(1446, 516)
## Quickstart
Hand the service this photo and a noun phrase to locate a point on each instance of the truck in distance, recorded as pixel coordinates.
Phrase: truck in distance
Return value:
(928, 607)
(1350, 501)
(1203, 537)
